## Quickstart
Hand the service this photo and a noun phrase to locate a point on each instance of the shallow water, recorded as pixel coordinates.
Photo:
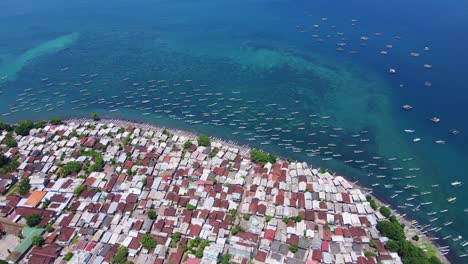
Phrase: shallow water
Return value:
(242, 70)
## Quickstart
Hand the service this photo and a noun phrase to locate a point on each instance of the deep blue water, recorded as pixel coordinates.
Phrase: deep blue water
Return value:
(257, 64)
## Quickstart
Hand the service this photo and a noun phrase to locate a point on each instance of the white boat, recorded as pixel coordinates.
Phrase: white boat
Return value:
(416, 139)
(456, 183)
(409, 131)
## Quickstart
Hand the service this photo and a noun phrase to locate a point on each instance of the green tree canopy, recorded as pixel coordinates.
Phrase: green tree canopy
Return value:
(385, 211)
(260, 156)
(55, 121)
(187, 144)
(24, 186)
(148, 242)
(37, 241)
(95, 117)
(151, 214)
(69, 168)
(293, 248)
(204, 140)
(24, 127)
(121, 256)
(33, 220)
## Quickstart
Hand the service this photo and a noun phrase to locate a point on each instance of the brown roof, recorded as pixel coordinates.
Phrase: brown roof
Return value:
(35, 198)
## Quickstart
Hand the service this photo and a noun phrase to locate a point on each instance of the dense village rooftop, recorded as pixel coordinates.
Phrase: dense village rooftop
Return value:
(104, 192)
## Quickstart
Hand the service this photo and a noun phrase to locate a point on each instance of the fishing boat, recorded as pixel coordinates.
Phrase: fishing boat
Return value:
(451, 199)
(440, 142)
(392, 71)
(427, 66)
(435, 119)
(407, 107)
(456, 183)
(409, 131)
(416, 139)
(454, 132)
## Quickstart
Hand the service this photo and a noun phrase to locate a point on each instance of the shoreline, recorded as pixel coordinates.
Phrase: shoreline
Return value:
(409, 229)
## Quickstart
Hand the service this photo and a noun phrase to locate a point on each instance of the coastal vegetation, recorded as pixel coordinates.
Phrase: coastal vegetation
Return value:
(55, 121)
(260, 156)
(204, 140)
(95, 117)
(24, 127)
(394, 230)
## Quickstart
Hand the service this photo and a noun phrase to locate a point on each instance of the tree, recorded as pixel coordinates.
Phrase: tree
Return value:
(151, 214)
(385, 211)
(55, 121)
(296, 218)
(293, 248)
(5, 127)
(95, 116)
(69, 168)
(11, 142)
(37, 241)
(204, 140)
(268, 218)
(33, 220)
(148, 242)
(190, 207)
(260, 156)
(236, 230)
(187, 144)
(175, 238)
(24, 127)
(8, 165)
(49, 228)
(225, 259)
(45, 204)
(79, 190)
(24, 186)
(121, 256)
(68, 256)
(246, 217)
(415, 238)
(392, 245)
(98, 164)
(391, 230)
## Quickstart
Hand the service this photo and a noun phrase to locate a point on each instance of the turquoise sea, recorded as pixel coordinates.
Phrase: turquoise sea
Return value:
(302, 79)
